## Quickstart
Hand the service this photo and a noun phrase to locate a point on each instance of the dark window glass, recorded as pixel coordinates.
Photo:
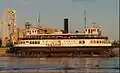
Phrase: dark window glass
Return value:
(88, 30)
(79, 41)
(33, 31)
(97, 41)
(38, 42)
(83, 42)
(97, 29)
(26, 41)
(33, 42)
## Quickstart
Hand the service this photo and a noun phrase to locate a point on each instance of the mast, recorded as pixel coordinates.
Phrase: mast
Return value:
(85, 18)
(39, 19)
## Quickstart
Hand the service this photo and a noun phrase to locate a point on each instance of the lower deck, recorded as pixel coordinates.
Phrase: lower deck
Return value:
(63, 49)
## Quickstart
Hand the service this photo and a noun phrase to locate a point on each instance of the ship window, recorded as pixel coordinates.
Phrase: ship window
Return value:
(23, 42)
(27, 42)
(38, 42)
(97, 29)
(38, 31)
(30, 42)
(88, 30)
(79, 41)
(35, 42)
(93, 29)
(97, 41)
(91, 41)
(83, 42)
(33, 31)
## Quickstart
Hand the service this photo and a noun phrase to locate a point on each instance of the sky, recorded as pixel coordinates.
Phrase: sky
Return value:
(104, 13)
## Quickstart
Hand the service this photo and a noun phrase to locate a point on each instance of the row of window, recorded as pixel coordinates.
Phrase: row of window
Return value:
(39, 36)
(80, 42)
(36, 31)
(31, 42)
(63, 37)
(38, 42)
(100, 42)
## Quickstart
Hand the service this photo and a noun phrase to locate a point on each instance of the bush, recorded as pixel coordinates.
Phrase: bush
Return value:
(9, 44)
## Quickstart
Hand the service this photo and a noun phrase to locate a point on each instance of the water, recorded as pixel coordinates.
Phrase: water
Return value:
(58, 65)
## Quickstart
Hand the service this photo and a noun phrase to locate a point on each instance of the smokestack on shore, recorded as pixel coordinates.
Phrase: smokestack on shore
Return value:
(66, 25)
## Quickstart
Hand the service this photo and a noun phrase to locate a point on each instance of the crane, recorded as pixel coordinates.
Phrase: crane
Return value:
(1, 23)
(3, 30)
(2, 33)
(9, 18)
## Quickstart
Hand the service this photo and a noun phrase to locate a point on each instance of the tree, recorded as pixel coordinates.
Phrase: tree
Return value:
(9, 44)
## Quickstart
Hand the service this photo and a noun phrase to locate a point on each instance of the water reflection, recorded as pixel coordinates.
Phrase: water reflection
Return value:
(68, 65)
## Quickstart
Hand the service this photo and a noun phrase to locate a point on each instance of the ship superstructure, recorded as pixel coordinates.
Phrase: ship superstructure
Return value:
(42, 40)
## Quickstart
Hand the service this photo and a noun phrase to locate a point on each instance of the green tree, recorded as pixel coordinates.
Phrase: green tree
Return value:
(9, 44)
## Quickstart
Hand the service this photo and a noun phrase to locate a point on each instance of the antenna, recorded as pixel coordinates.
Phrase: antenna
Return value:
(85, 17)
(39, 19)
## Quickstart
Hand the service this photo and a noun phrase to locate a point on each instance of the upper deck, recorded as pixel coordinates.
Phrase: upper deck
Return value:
(89, 33)
(63, 36)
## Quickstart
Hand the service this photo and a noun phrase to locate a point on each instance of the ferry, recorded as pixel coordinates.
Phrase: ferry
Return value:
(91, 40)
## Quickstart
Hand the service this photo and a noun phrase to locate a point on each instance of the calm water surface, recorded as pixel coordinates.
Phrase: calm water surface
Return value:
(24, 65)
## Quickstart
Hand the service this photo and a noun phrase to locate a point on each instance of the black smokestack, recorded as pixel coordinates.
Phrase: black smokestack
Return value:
(66, 25)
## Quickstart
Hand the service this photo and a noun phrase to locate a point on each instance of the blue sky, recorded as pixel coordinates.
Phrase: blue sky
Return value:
(52, 13)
